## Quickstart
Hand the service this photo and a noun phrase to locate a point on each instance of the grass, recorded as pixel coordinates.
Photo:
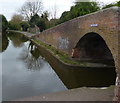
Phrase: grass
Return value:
(60, 55)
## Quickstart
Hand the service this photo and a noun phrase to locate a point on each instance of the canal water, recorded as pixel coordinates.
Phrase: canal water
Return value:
(28, 70)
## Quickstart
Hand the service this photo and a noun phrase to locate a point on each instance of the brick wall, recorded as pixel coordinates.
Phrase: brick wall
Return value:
(105, 23)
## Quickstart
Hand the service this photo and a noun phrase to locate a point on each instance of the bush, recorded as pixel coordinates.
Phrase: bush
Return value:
(14, 26)
(4, 23)
(24, 25)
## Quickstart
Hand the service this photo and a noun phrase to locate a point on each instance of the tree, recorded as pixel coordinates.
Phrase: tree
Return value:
(30, 8)
(14, 24)
(34, 19)
(4, 23)
(41, 24)
(45, 15)
(25, 25)
(5, 42)
(65, 17)
(83, 8)
(40, 21)
(52, 23)
(79, 9)
(53, 12)
(17, 18)
(112, 4)
(43, 21)
(108, 6)
(118, 4)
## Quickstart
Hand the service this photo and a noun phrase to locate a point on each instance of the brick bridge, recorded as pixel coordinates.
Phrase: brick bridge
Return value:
(93, 36)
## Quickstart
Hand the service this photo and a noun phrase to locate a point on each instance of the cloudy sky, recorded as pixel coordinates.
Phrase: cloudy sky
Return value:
(9, 7)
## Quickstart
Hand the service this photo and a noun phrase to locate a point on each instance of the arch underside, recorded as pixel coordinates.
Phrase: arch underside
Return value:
(92, 47)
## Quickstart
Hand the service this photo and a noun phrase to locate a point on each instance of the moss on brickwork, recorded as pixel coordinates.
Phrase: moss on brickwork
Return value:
(60, 55)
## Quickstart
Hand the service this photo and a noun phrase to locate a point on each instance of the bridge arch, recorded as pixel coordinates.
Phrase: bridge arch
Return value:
(92, 46)
(68, 34)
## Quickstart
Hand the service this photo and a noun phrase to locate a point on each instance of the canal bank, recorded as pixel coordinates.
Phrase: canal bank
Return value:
(63, 57)
(86, 82)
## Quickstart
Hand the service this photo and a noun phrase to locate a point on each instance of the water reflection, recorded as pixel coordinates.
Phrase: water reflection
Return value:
(71, 76)
(32, 58)
(20, 81)
(74, 77)
(5, 42)
(34, 50)
(17, 39)
(25, 73)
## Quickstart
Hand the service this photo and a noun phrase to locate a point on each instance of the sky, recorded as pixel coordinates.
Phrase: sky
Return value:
(10, 7)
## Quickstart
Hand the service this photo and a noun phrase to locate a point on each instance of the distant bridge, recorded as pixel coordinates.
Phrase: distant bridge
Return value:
(94, 36)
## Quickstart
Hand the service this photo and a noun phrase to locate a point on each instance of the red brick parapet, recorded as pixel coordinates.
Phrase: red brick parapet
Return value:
(105, 23)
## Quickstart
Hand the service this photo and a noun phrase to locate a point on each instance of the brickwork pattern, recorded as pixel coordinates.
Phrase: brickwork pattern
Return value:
(105, 23)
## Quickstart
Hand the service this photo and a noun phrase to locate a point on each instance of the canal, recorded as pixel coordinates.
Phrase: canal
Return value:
(29, 70)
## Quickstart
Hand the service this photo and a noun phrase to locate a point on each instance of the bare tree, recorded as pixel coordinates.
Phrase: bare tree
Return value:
(17, 18)
(53, 12)
(30, 8)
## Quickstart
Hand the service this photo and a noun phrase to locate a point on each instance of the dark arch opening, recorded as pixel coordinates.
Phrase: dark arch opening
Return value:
(92, 47)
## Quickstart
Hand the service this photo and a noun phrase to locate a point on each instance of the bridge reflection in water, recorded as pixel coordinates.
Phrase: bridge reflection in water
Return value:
(34, 58)
(98, 75)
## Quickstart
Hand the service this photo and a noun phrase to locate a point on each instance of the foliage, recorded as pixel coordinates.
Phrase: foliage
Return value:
(17, 18)
(45, 15)
(63, 57)
(25, 25)
(34, 19)
(65, 17)
(17, 38)
(111, 5)
(118, 4)
(34, 14)
(5, 42)
(79, 9)
(14, 24)
(41, 24)
(52, 23)
(4, 23)
(83, 8)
